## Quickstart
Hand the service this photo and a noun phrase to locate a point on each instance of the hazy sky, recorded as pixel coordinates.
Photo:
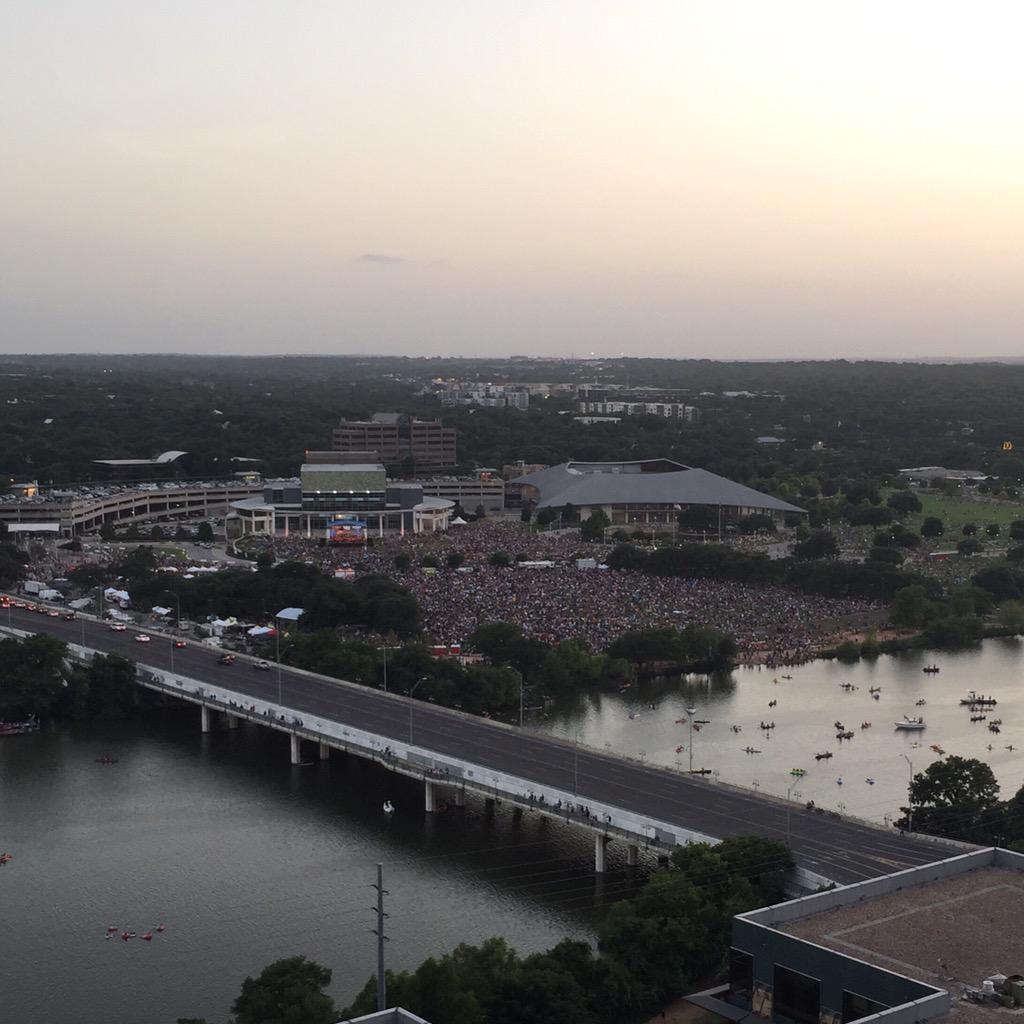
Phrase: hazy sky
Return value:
(760, 179)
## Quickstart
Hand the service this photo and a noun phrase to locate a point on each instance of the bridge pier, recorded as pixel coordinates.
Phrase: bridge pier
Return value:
(296, 748)
(632, 855)
(233, 721)
(325, 752)
(428, 797)
(204, 721)
(600, 846)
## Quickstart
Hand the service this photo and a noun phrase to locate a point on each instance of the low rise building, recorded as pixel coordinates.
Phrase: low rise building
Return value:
(940, 941)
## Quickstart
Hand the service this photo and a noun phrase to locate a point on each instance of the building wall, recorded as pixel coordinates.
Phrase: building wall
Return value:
(469, 492)
(382, 438)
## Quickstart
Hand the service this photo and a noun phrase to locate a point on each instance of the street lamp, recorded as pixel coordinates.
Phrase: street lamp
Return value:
(690, 712)
(790, 794)
(412, 690)
(910, 794)
(177, 621)
(277, 640)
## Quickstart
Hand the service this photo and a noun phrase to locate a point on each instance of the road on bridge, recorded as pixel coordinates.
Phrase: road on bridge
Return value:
(842, 850)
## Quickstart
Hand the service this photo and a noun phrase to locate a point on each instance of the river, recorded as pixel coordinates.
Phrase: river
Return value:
(246, 859)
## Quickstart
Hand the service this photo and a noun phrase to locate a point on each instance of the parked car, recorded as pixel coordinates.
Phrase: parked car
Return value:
(53, 614)
(69, 616)
(118, 627)
(226, 659)
(180, 643)
(264, 666)
(142, 638)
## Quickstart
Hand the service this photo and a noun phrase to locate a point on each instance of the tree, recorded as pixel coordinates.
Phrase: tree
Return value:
(593, 527)
(454, 559)
(992, 529)
(402, 561)
(889, 555)
(570, 515)
(820, 544)
(156, 532)
(480, 512)
(1011, 616)
(958, 798)
(546, 516)
(205, 532)
(697, 517)
(500, 559)
(932, 527)
(288, 991)
(526, 513)
(969, 529)
(911, 607)
(1017, 529)
(904, 502)
(970, 546)
(107, 531)
(265, 561)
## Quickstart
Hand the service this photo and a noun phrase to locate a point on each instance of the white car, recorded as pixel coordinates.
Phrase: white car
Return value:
(142, 638)
(263, 666)
(118, 627)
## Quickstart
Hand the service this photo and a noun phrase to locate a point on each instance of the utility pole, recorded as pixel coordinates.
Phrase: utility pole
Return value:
(382, 995)
(690, 712)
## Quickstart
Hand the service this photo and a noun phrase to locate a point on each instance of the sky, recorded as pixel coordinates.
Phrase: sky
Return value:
(769, 179)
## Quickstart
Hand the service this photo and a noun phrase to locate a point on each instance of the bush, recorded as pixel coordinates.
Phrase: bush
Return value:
(904, 502)
(889, 555)
(403, 562)
(932, 527)
(1015, 554)
(820, 544)
(992, 529)
(970, 546)
(500, 559)
(430, 562)
(455, 559)
(969, 529)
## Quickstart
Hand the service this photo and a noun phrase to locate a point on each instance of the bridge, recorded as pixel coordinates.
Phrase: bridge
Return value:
(453, 753)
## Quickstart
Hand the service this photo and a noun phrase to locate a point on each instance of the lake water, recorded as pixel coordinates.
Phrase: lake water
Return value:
(246, 859)
(808, 705)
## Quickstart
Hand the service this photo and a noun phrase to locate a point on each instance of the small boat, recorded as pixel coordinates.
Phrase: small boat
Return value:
(978, 718)
(874, 689)
(5, 857)
(680, 721)
(160, 927)
(702, 721)
(767, 725)
(112, 929)
(772, 703)
(839, 781)
(106, 760)
(389, 807)
(930, 669)
(147, 936)
(679, 749)
(751, 750)
(997, 721)
(849, 687)
(847, 735)
(824, 756)
(786, 677)
(634, 714)
(992, 727)
(737, 728)
(126, 936)
(921, 703)
(865, 725)
(838, 725)
(875, 696)
(938, 750)
(798, 773)
(870, 781)
(30, 724)
(1010, 748)
(909, 723)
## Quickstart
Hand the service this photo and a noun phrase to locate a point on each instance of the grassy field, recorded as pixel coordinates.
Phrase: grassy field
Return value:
(964, 508)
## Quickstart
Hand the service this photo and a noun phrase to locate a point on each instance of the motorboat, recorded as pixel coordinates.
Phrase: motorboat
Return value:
(930, 669)
(909, 723)
(751, 750)
(870, 781)
(823, 756)
(865, 725)
(679, 749)
(22, 728)
(921, 703)
(798, 773)
(875, 696)
(389, 807)
(5, 857)
(874, 689)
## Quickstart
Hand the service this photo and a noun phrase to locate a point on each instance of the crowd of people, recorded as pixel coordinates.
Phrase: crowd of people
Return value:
(771, 625)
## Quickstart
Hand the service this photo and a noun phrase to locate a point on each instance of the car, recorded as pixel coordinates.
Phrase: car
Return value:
(53, 614)
(142, 638)
(180, 643)
(263, 666)
(69, 616)
(226, 659)
(118, 627)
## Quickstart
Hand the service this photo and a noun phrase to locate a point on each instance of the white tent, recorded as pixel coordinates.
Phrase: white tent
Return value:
(292, 614)
(459, 521)
(262, 631)
(159, 610)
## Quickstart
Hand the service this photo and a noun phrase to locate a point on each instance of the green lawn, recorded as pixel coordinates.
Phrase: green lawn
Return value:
(963, 508)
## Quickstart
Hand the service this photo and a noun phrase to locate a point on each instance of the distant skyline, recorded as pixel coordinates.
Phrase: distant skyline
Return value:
(717, 179)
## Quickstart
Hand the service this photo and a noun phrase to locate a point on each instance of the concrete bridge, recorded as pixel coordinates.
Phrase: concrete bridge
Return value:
(452, 753)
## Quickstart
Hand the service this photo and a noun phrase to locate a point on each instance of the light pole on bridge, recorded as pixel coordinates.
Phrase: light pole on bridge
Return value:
(412, 690)
(910, 794)
(791, 793)
(690, 712)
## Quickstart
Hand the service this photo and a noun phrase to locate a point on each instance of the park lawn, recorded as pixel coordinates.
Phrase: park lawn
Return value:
(963, 508)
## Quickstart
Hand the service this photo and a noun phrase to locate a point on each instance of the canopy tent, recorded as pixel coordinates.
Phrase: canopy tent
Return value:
(160, 610)
(262, 631)
(33, 527)
(291, 614)
(459, 521)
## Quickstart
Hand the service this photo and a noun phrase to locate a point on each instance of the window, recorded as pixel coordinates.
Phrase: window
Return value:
(855, 1006)
(741, 978)
(797, 996)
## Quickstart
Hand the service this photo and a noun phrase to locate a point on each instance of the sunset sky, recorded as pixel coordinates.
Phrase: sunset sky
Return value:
(768, 179)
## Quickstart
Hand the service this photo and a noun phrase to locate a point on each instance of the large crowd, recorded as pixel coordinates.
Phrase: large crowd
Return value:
(771, 625)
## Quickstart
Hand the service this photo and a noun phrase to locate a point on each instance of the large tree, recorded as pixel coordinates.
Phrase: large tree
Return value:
(288, 991)
(956, 797)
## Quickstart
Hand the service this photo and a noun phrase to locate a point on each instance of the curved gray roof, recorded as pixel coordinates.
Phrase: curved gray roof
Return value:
(584, 484)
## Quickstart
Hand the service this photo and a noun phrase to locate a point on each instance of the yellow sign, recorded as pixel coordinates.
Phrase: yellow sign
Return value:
(1007, 446)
